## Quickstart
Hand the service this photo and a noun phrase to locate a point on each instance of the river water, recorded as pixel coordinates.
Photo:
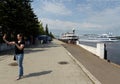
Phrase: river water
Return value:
(113, 50)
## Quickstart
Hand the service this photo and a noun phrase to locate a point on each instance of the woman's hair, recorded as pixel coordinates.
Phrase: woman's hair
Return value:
(20, 34)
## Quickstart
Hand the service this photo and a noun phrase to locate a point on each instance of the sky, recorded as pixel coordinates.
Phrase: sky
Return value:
(85, 16)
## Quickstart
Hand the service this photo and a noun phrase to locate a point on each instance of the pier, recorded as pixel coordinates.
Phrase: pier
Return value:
(105, 72)
(59, 63)
(44, 64)
(99, 50)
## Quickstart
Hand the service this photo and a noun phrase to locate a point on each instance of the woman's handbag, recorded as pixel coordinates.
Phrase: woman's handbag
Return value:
(14, 58)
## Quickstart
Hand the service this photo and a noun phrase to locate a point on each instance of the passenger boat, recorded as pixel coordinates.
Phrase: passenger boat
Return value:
(69, 37)
(101, 38)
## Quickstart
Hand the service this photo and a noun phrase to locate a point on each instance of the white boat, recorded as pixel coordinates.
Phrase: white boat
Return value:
(69, 37)
(101, 38)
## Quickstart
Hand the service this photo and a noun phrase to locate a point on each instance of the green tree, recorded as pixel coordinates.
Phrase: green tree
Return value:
(46, 30)
(51, 35)
(41, 29)
(17, 16)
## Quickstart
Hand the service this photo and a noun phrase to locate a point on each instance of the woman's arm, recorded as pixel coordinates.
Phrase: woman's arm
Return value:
(10, 43)
(19, 47)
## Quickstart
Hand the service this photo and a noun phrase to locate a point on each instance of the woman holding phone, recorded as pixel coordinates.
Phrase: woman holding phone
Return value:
(19, 52)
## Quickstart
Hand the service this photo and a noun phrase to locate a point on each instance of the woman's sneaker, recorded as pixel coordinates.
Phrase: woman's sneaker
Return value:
(19, 77)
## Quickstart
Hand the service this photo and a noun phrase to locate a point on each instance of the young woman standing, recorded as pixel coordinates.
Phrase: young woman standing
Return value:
(19, 52)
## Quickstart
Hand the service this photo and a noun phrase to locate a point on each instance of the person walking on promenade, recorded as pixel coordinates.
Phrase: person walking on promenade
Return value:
(19, 52)
(105, 52)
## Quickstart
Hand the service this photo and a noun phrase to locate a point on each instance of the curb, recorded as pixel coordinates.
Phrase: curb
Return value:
(95, 80)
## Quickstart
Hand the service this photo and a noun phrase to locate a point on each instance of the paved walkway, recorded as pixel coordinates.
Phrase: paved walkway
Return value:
(44, 64)
(105, 72)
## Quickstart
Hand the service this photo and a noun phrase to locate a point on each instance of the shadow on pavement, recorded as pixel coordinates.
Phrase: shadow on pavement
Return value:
(32, 51)
(49, 45)
(37, 74)
(40, 47)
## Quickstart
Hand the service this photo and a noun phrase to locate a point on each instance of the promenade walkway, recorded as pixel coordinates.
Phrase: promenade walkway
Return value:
(44, 64)
(105, 72)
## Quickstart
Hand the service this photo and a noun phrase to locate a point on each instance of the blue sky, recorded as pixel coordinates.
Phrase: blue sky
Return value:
(86, 16)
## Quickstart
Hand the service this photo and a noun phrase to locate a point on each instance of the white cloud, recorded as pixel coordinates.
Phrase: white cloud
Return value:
(102, 0)
(66, 25)
(91, 15)
(55, 0)
(90, 25)
(58, 24)
(108, 18)
(56, 8)
(106, 15)
(84, 7)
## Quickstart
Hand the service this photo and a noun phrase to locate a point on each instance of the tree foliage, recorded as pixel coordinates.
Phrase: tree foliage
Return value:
(46, 30)
(41, 29)
(51, 35)
(17, 16)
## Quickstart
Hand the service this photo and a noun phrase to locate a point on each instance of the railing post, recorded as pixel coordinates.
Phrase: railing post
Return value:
(101, 50)
(77, 42)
